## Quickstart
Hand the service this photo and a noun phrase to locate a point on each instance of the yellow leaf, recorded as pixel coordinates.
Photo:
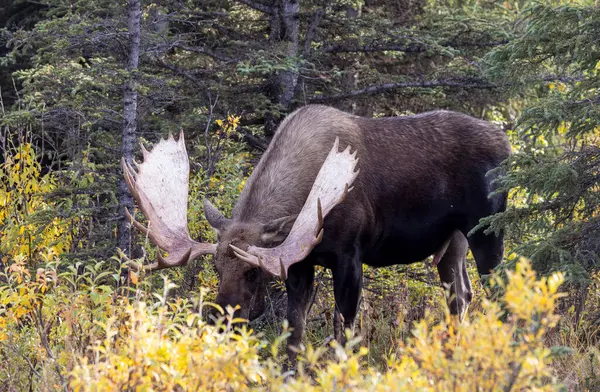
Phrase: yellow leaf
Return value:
(133, 277)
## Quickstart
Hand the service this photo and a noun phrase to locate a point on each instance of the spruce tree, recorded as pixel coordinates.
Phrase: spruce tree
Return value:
(553, 66)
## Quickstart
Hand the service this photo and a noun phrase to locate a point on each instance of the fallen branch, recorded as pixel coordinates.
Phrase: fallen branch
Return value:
(470, 83)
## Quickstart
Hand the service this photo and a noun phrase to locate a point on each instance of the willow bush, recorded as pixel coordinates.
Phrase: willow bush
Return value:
(167, 347)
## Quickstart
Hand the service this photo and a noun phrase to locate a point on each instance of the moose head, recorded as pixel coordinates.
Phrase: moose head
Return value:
(246, 253)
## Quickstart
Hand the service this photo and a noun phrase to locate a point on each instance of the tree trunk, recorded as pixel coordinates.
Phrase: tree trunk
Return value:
(289, 78)
(285, 22)
(130, 118)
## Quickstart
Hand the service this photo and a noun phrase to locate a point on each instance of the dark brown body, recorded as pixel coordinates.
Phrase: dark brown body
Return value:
(422, 182)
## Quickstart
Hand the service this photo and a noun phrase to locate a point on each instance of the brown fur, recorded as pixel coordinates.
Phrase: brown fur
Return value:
(422, 144)
(422, 182)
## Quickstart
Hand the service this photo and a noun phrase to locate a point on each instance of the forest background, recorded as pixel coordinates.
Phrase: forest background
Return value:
(82, 81)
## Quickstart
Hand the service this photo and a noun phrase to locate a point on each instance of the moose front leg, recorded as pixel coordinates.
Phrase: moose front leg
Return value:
(299, 286)
(347, 287)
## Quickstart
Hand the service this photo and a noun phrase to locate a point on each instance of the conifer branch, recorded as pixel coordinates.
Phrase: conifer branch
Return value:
(206, 52)
(257, 6)
(406, 48)
(471, 84)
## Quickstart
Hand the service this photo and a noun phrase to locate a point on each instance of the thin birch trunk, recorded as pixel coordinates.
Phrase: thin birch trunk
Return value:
(130, 118)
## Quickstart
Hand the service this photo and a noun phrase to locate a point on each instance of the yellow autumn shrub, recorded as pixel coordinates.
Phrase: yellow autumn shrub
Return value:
(154, 354)
(48, 316)
(499, 349)
(22, 195)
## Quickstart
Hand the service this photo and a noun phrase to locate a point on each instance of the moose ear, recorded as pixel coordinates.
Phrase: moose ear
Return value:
(276, 230)
(214, 217)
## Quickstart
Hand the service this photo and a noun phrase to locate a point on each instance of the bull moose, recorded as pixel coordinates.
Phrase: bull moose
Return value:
(421, 185)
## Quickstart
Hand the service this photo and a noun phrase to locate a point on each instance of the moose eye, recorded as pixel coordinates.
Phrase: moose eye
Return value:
(251, 275)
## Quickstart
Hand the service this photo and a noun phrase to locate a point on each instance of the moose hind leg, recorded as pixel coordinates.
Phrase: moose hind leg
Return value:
(488, 250)
(453, 274)
(347, 287)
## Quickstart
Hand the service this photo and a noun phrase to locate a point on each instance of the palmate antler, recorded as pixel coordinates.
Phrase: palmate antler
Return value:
(160, 188)
(329, 189)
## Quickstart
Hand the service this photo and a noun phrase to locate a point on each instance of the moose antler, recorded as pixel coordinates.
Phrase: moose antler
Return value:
(160, 188)
(329, 189)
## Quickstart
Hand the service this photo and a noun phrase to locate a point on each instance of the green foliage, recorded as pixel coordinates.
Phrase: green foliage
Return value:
(554, 171)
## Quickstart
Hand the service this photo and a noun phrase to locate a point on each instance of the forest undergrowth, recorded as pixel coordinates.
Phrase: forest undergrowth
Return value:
(70, 329)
